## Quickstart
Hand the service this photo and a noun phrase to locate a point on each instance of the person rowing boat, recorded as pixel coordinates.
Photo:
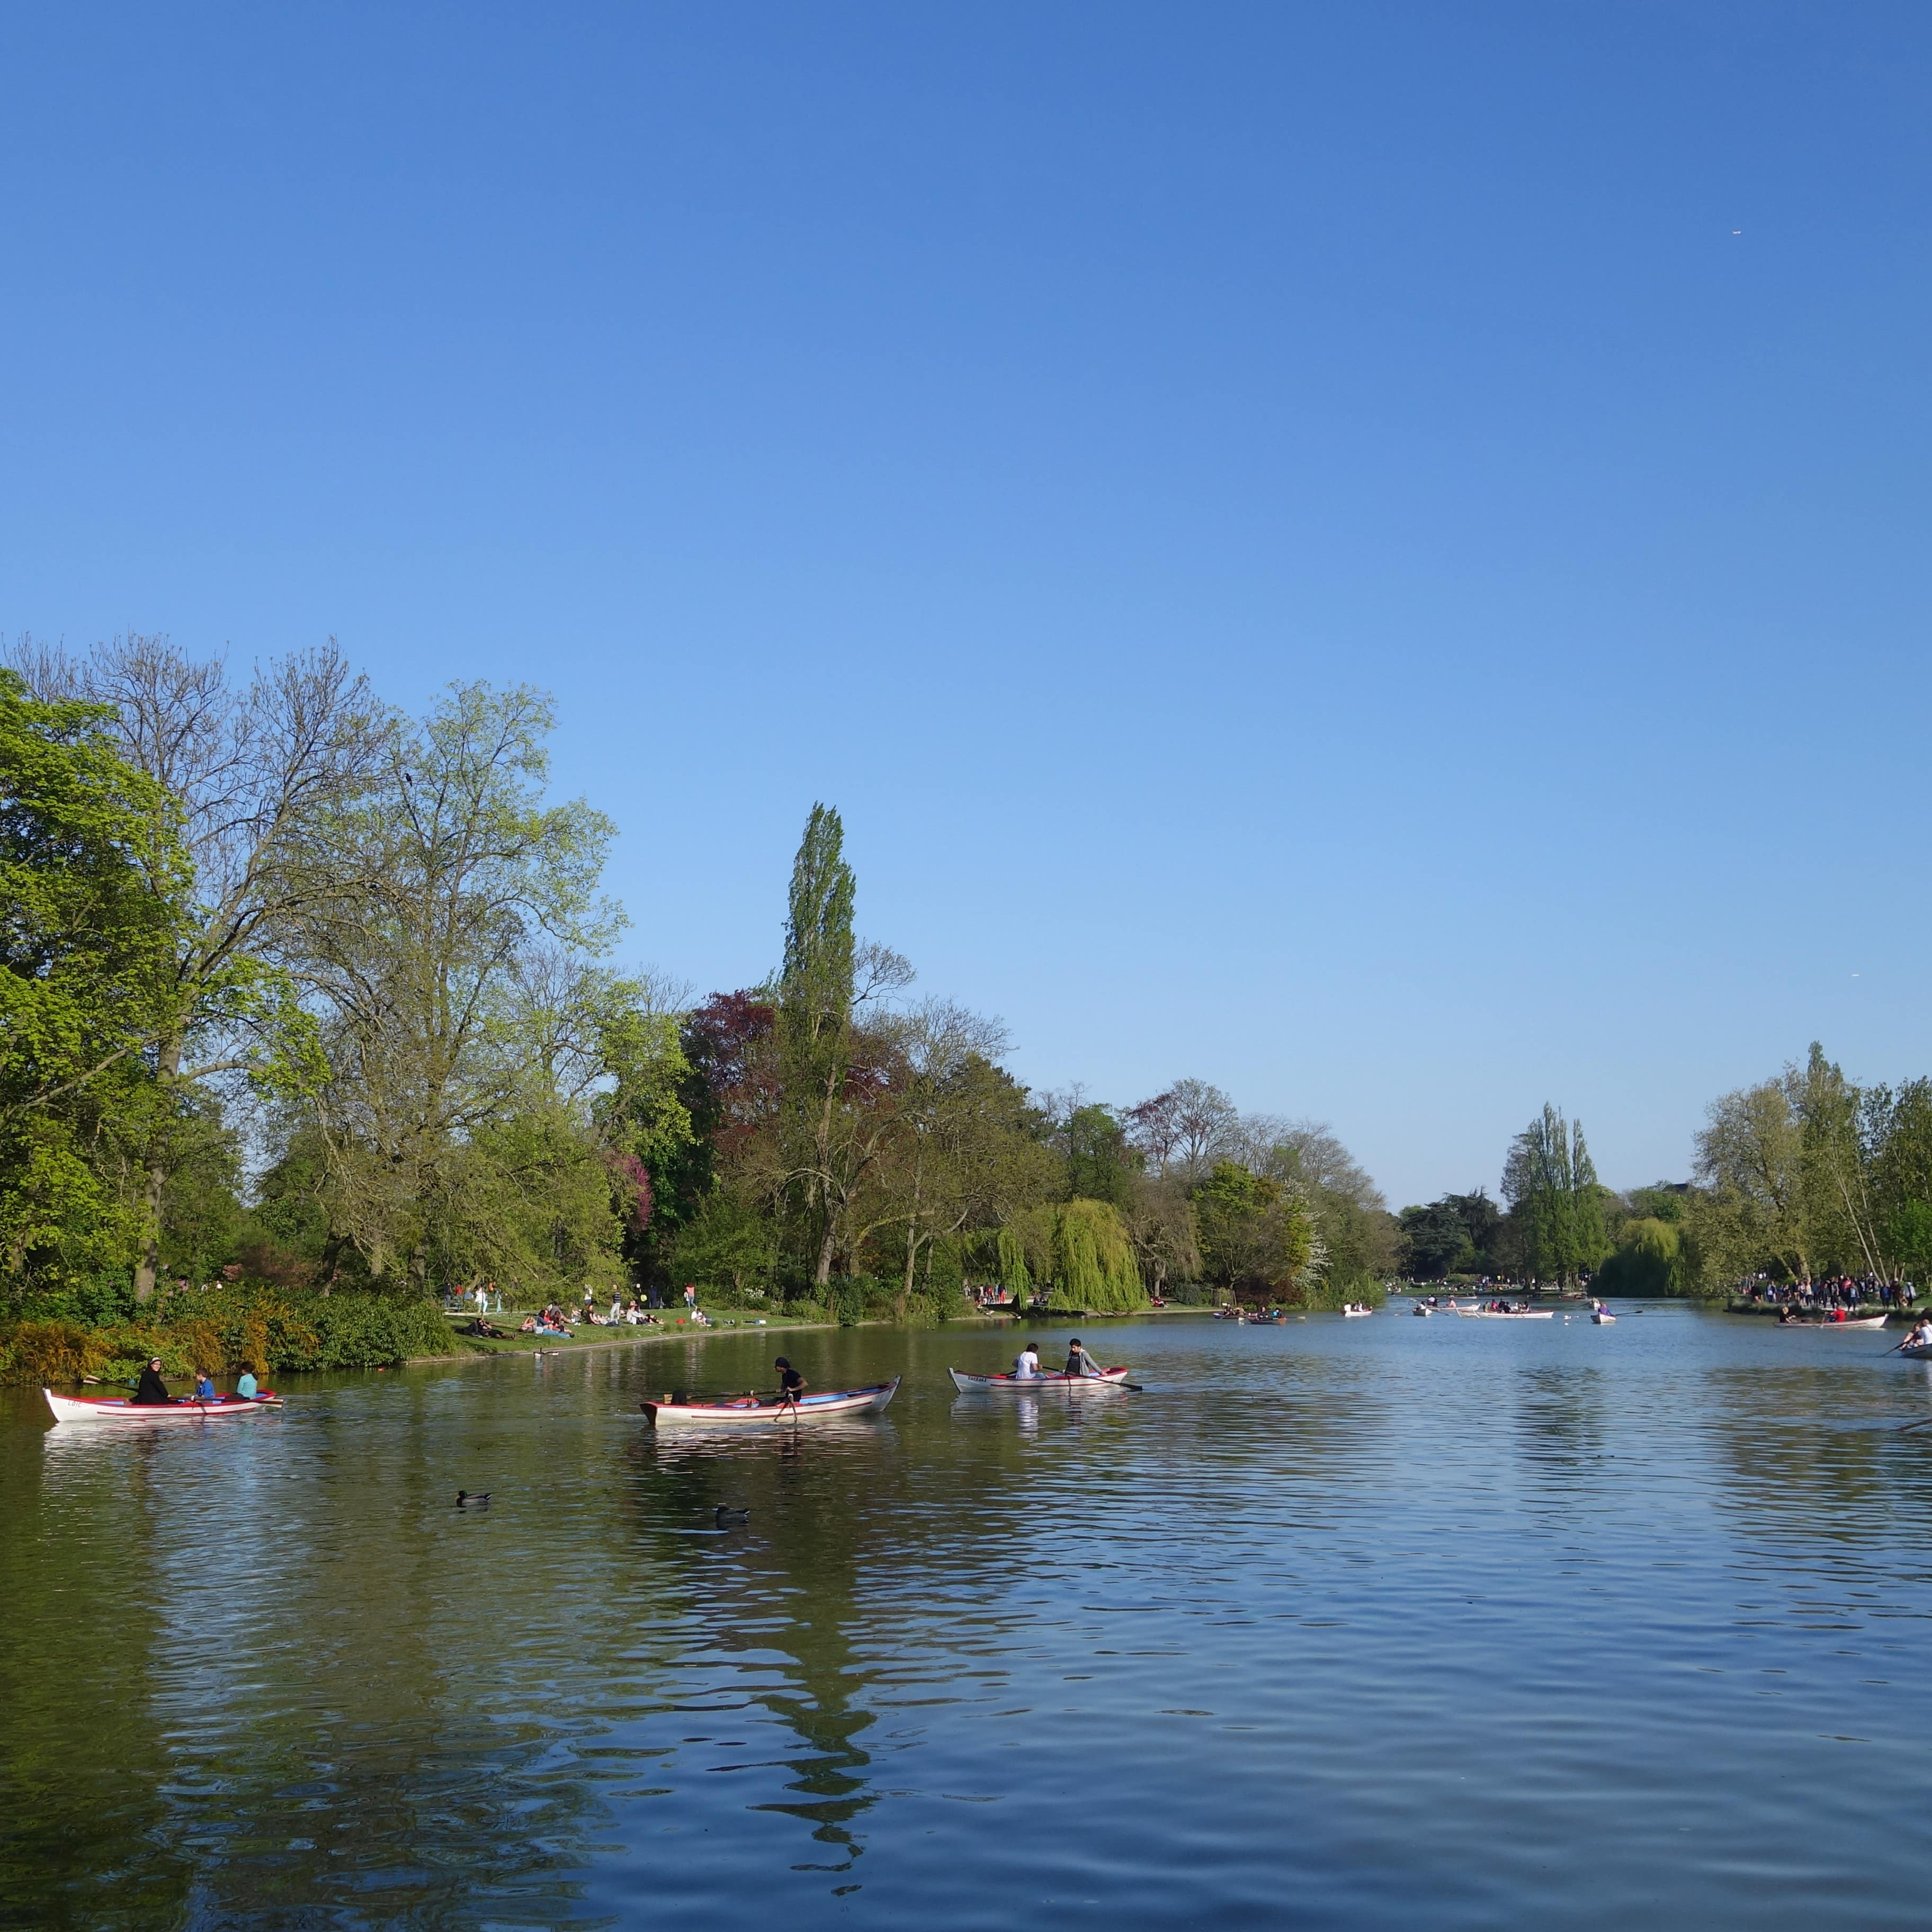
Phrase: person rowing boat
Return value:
(1079, 1362)
(1026, 1365)
(791, 1383)
(1920, 1337)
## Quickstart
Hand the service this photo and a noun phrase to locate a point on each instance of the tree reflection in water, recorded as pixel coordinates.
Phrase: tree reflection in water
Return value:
(804, 1548)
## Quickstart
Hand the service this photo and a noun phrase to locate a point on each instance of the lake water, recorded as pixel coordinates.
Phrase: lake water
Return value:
(1436, 1624)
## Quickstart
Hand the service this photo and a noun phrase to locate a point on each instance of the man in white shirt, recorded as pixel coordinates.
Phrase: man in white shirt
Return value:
(1027, 1366)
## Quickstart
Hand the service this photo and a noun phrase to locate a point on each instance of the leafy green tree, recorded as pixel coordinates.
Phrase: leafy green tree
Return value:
(1258, 1237)
(814, 1012)
(1909, 1234)
(244, 776)
(465, 1027)
(1436, 1244)
(1647, 1260)
(94, 884)
(728, 1240)
(1160, 1222)
(1081, 1252)
(1100, 1166)
(1844, 1216)
(1551, 1184)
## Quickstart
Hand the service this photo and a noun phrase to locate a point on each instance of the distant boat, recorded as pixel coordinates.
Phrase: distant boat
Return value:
(755, 1412)
(1855, 1321)
(1352, 1310)
(1602, 1317)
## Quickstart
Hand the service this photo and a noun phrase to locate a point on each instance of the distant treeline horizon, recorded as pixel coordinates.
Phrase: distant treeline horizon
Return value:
(303, 991)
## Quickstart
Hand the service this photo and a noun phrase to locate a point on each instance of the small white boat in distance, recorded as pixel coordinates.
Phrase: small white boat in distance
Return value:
(763, 1411)
(1353, 1310)
(1601, 1315)
(118, 1408)
(1832, 1327)
(967, 1384)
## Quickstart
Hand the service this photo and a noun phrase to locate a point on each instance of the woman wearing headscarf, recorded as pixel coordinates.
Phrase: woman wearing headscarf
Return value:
(151, 1388)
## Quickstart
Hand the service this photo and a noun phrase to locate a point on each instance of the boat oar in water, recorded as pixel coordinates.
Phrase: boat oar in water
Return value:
(1919, 1424)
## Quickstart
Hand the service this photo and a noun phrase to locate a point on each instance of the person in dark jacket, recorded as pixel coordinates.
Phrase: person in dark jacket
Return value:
(151, 1388)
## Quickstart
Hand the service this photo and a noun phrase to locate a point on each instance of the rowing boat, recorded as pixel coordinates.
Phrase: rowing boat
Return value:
(1917, 1352)
(1857, 1321)
(756, 1411)
(118, 1408)
(1602, 1317)
(1354, 1311)
(1033, 1384)
(1506, 1314)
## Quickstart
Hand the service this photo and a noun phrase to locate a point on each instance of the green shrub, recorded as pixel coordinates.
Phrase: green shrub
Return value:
(227, 1329)
(51, 1352)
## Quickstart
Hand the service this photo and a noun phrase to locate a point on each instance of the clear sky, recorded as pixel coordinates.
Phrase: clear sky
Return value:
(1376, 554)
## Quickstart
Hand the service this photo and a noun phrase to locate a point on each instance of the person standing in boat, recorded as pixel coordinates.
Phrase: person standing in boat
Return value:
(791, 1383)
(151, 1388)
(1079, 1362)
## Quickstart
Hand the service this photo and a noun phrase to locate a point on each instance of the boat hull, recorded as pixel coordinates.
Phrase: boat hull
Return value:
(1832, 1327)
(1513, 1315)
(1604, 1321)
(748, 1412)
(968, 1384)
(118, 1408)
(1921, 1351)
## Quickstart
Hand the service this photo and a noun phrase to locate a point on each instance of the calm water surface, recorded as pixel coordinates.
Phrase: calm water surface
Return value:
(1366, 1624)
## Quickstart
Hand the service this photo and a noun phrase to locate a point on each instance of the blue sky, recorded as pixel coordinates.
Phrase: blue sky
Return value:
(1374, 554)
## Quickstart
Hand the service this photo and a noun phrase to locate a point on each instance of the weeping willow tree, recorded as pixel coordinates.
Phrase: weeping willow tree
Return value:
(1080, 1250)
(1015, 1275)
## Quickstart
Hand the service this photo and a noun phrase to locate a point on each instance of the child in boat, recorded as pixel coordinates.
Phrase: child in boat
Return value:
(248, 1387)
(204, 1386)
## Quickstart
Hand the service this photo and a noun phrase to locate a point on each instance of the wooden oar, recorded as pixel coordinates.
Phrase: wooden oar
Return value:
(1919, 1424)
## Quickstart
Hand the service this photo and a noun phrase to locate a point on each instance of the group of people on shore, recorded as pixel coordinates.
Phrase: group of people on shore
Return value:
(1840, 1290)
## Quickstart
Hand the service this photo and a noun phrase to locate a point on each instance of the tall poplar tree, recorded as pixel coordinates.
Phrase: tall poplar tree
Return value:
(1550, 1183)
(815, 1025)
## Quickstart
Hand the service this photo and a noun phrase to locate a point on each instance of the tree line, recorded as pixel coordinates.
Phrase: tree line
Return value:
(1804, 1176)
(301, 990)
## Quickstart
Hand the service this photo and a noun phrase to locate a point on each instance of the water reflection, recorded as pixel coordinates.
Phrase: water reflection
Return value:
(1078, 1649)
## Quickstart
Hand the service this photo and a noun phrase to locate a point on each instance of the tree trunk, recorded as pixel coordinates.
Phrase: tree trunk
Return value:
(147, 1266)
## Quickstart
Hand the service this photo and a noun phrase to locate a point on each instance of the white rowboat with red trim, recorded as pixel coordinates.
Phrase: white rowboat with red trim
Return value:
(118, 1408)
(1032, 1384)
(755, 1412)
